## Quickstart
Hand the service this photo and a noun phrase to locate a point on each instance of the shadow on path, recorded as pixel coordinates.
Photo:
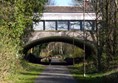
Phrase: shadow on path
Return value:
(55, 74)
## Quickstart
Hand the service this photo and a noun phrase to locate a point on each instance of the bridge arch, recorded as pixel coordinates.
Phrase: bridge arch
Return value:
(89, 48)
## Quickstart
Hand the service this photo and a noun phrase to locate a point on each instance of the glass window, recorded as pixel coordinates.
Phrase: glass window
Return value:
(38, 25)
(75, 25)
(50, 25)
(62, 25)
(88, 25)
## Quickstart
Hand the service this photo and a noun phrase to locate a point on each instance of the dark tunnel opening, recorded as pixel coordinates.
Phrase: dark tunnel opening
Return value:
(89, 48)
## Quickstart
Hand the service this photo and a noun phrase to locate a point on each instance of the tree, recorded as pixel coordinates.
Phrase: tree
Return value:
(106, 34)
(15, 16)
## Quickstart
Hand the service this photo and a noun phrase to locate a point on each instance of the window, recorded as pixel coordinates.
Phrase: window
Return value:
(62, 25)
(50, 25)
(75, 25)
(38, 25)
(87, 25)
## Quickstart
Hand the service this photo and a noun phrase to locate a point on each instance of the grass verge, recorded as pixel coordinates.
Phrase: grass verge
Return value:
(28, 74)
(108, 77)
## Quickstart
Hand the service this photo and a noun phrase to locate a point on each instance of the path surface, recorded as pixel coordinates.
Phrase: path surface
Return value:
(55, 74)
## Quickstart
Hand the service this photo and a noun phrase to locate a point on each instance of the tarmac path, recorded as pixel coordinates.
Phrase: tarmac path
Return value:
(55, 74)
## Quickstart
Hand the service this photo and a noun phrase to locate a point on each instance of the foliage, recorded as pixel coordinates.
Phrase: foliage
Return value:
(14, 18)
(108, 34)
(63, 49)
(37, 49)
(93, 77)
(78, 52)
(8, 56)
(29, 73)
(106, 31)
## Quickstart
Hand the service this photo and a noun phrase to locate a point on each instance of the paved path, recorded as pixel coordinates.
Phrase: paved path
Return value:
(55, 60)
(55, 74)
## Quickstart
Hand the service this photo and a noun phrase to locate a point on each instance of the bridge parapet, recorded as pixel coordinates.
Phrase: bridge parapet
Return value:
(75, 34)
(64, 21)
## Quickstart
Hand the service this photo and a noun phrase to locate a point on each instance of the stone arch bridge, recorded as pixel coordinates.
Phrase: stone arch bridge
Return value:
(70, 26)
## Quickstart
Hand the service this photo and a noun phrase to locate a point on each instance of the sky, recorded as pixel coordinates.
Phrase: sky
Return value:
(61, 2)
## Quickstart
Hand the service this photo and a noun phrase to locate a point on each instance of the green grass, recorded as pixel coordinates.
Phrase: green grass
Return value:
(94, 77)
(29, 74)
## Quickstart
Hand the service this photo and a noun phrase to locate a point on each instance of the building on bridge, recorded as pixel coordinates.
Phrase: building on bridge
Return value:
(64, 24)
(66, 18)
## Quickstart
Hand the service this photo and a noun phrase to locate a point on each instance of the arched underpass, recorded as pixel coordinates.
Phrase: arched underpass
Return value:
(89, 48)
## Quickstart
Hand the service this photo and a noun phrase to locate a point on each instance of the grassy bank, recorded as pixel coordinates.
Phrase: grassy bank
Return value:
(108, 77)
(28, 74)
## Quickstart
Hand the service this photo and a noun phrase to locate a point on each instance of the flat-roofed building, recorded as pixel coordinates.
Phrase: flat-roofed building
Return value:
(66, 18)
